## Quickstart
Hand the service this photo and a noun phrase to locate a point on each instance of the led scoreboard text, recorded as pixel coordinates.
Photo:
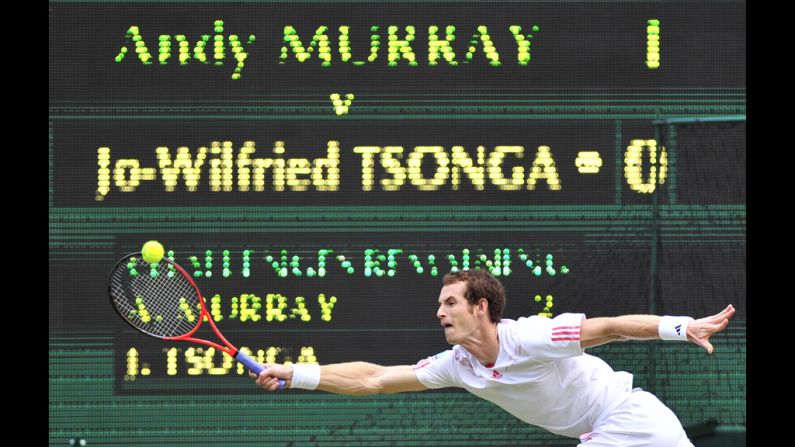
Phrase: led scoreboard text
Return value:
(399, 46)
(226, 169)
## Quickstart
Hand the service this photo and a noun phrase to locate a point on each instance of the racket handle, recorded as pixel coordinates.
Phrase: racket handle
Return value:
(254, 366)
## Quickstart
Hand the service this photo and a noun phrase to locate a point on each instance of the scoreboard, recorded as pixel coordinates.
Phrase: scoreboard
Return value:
(319, 166)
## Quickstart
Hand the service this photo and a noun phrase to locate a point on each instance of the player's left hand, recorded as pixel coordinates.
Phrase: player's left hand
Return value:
(699, 331)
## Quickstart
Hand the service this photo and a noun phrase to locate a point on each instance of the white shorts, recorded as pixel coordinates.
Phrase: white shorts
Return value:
(642, 421)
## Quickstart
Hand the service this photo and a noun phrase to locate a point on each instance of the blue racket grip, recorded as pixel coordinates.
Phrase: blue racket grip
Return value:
(254, 366)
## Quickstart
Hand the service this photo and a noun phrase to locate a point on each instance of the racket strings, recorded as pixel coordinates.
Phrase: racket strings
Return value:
(176, 300)
(160, 305)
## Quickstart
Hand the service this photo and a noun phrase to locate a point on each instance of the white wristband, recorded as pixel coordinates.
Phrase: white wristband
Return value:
(674, 328)
(305, 376)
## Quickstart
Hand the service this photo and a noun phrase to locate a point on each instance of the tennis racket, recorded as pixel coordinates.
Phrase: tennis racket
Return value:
(161, 300)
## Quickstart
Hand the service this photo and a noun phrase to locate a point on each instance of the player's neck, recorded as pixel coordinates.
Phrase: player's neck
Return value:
(484, 344)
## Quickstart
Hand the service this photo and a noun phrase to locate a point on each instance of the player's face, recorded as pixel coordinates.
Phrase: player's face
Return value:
(455, 314)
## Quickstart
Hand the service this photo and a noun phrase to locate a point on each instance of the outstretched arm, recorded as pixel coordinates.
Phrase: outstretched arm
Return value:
(348, 378)
(598, 331)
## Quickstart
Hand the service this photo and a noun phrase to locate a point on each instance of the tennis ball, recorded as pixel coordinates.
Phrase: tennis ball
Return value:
(152, 252)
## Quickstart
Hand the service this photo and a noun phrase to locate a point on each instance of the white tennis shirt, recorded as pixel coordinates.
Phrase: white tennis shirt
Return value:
(541, 376)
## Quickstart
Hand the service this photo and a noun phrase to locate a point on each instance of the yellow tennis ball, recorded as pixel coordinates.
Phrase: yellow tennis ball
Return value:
(152, 252)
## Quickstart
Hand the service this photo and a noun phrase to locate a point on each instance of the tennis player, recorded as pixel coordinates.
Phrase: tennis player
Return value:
(535, 368)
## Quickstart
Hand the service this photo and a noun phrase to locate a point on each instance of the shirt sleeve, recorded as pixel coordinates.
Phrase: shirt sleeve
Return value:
(550, 339)
(437, 371)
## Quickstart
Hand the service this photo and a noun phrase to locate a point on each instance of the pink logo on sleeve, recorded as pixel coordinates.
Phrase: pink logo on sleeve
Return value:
(422, 364)
(566, 333)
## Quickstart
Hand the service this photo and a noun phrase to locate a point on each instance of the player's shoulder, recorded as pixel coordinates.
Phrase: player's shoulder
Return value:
(539, 319)
(538, 326)
(444, 355)
(521, 322)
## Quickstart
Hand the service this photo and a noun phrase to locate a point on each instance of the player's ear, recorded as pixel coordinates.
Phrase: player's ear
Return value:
(483, 305)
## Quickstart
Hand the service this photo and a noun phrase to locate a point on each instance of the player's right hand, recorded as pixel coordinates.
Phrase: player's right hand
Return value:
(269, 379)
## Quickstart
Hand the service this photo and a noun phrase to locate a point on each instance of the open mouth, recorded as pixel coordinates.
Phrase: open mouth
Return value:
(446, 325)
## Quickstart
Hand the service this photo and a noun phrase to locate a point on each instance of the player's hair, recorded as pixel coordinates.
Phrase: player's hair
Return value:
(480, 284)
